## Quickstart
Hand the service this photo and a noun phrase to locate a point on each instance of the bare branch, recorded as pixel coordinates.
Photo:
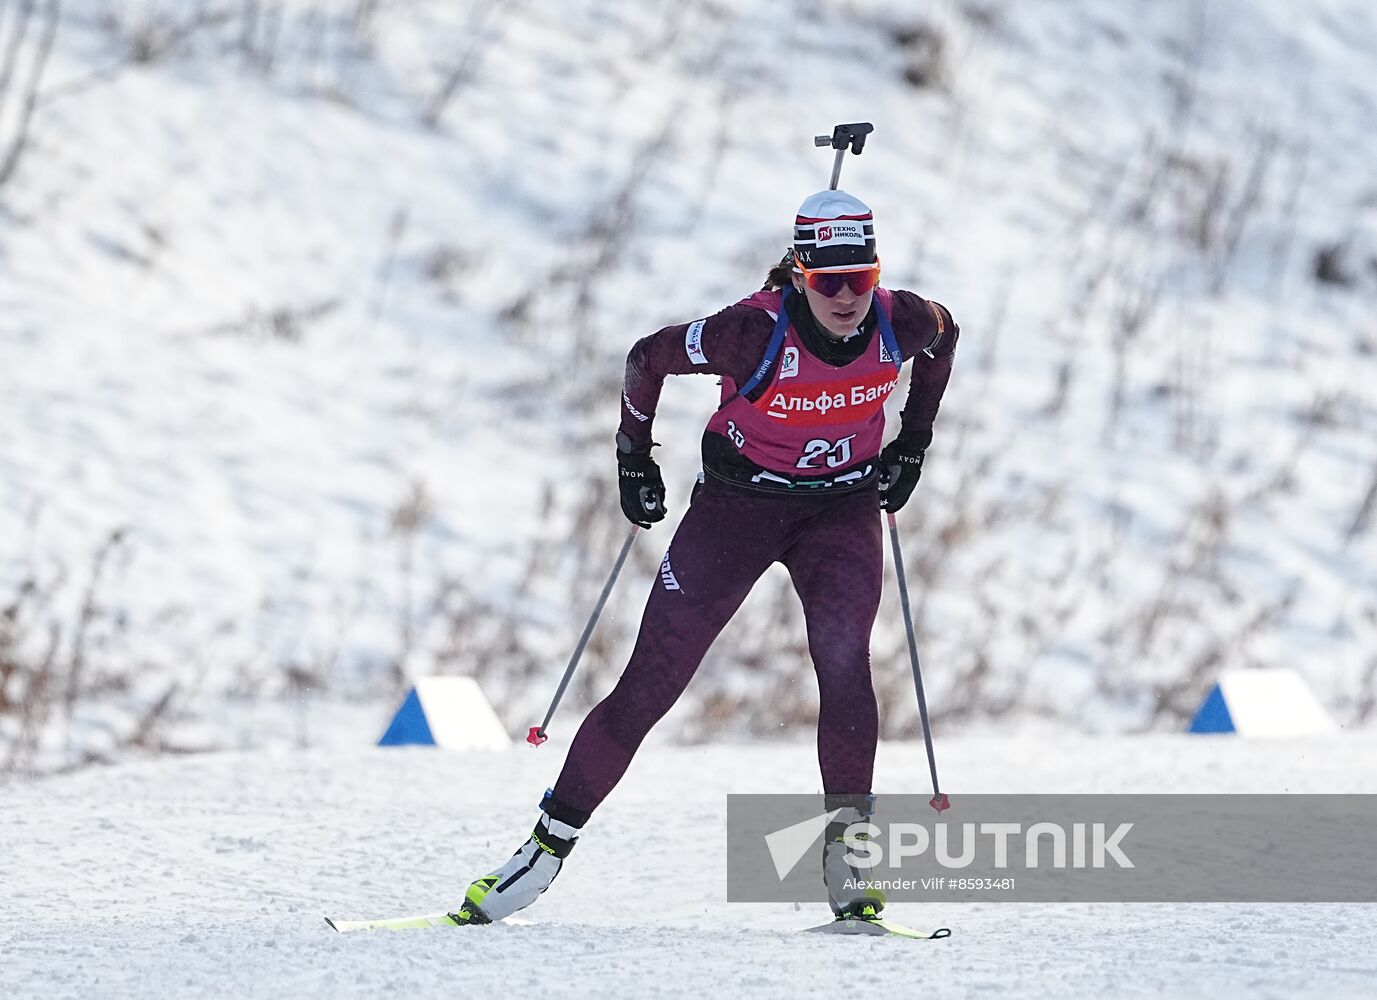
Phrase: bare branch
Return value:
(19, 142)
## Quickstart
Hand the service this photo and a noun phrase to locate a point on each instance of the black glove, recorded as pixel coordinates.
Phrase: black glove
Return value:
(642, 489)
(901, 465)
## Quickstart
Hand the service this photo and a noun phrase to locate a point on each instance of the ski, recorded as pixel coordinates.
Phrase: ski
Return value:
(424, 921)
(420, 922)
(878, 927)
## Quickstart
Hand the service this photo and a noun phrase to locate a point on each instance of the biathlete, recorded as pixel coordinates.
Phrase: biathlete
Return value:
(793, 472)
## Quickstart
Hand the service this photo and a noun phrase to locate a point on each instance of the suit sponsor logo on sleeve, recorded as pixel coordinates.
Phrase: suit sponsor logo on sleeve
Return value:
(632, 410)
(667, 575)
(693, 342)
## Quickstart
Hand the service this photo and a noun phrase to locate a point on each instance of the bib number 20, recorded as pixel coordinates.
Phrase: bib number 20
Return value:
(835, 453)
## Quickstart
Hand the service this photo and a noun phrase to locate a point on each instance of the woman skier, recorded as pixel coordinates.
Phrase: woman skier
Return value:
(793, 472)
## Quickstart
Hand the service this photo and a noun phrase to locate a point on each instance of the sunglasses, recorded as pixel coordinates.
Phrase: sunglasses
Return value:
(829, 283)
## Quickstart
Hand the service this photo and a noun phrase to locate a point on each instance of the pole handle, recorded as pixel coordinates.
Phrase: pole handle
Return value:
(848, 136)
(851, 135)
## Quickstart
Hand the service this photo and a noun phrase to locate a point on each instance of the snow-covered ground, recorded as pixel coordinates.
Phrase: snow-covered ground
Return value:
(209, 876)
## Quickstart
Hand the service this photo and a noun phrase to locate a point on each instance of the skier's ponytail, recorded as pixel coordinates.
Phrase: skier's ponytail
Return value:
(781, 275)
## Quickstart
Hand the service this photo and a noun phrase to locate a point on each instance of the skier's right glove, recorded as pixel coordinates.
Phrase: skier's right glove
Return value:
(642, 488)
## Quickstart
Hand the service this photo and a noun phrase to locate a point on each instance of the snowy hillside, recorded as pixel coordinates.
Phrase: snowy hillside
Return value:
(312, 314)
(209, 876)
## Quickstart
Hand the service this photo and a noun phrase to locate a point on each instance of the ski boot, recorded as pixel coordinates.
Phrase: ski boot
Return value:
(529, 872)
(843, 881)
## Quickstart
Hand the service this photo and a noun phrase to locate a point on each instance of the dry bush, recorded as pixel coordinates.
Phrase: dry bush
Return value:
(283, 322)
(54, 668)
(481, 37)
(318, 47)
(1331, 265)
(925, 56)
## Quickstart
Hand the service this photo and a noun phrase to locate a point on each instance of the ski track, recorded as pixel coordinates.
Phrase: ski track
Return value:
(210, 876)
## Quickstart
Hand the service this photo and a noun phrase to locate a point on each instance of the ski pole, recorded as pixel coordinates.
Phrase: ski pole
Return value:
(850, 136)
(939, 800)
(537, 734)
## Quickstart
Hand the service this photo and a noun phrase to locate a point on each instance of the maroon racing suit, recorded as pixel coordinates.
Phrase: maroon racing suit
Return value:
(790, 476)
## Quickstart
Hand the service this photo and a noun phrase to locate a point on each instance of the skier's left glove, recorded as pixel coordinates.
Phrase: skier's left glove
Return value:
(641, 485)
(901, 466)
